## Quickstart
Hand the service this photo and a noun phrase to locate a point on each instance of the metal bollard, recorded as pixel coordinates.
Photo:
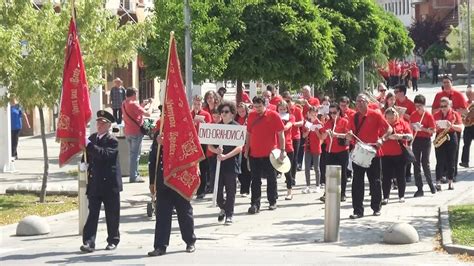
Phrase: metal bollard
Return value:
(332, 212)
(82, 198)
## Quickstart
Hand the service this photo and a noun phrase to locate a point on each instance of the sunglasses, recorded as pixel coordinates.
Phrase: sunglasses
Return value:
(443, 106)
(333, 113)
(225, 111)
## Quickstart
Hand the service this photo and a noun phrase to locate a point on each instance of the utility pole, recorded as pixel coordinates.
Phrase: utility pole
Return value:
(188, 52)
(469, 55)
(361, 76)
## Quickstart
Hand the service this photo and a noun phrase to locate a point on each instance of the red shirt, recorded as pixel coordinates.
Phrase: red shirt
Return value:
(374, 126)
(428, 122)
(415, 71)
(276, 100)
(245, 97)
(392, 147)
(133, 117)
(288, 137)
(263, 132)
(241, 120)
(455, 96)
(341, 127)
(207, 117)
(408, 104)
(298, 114)
(312, 142)
(313, 101)
(349, 113)
(451, 116)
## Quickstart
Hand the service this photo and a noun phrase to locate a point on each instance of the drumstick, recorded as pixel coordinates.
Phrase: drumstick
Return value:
(357, 138)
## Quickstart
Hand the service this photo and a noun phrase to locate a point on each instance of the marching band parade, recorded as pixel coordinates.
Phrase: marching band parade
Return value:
(224, 149)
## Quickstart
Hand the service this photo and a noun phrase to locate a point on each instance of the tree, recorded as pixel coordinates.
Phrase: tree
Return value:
(284, 40)
(212, 23)
(425, 33)
(35, 78)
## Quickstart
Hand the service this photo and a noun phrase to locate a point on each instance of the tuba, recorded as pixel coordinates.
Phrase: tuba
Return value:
(441, 138)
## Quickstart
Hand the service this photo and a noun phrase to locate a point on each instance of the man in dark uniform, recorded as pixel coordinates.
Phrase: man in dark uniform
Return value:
(166, 200)
(104, 183)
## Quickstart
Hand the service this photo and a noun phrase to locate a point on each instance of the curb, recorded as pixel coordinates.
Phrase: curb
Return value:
(446, 240)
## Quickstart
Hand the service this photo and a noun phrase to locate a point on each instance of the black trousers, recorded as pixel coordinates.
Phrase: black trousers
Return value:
(414, 83)
(468, 135)
(227, 180)
(393, 167)
(435, 75)
(322, 163)
(262, 168)
(340, 158)
(422, 150)
(204, 169)
(289, 177)
(300, 156)
(358, 186)
(244, 176)
(445, 158)
(212, 162)
(166, 200)
(117, 113)
(112, 218)
(294, 162)
(15, 137)
(456, 154)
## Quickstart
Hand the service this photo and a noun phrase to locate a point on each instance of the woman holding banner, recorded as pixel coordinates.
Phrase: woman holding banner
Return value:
(230, 166)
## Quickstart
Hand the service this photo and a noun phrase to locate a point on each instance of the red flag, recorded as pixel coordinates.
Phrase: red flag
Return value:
(181, 148)
(75, 110)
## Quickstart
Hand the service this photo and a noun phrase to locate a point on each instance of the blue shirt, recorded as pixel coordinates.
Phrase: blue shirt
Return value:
(15, 114)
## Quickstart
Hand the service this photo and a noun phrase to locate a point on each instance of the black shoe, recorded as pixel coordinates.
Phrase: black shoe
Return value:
(221, 216)
(87, 248)
(343, 198)
(432, 189)
(228, 220)
(450, 187)
(438, 187)
(253, 209)
(190, 248)
(157, 252)
(465, 165)
(419, 193)
(377, 213)
(200, 196)
(323, 198)
(272, 207)
(110, 247)
(356, 216)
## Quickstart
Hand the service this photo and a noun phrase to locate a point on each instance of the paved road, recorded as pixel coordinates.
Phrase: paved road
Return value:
(292, 234)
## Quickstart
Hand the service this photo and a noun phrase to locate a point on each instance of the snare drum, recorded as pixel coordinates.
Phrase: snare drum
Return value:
(363, 154)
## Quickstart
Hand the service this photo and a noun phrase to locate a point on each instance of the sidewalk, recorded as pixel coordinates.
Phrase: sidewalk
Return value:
(292, 234)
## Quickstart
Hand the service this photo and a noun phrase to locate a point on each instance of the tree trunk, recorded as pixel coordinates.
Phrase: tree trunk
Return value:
(240, 89)
(45, 157)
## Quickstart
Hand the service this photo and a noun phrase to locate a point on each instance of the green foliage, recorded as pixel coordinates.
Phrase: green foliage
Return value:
(283, 41)
(437, 50)
(461, 220)
(35, 80)
(458, 36)
(395, 39)
(213, 23)
(358, 30)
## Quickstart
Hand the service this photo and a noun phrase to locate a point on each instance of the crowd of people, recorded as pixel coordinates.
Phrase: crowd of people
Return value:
(381, 137)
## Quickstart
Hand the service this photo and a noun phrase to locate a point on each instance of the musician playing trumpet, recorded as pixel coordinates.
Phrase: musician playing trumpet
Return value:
(370, 127)
(448, 122)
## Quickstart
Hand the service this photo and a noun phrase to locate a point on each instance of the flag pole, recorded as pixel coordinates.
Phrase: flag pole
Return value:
(163, 105)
